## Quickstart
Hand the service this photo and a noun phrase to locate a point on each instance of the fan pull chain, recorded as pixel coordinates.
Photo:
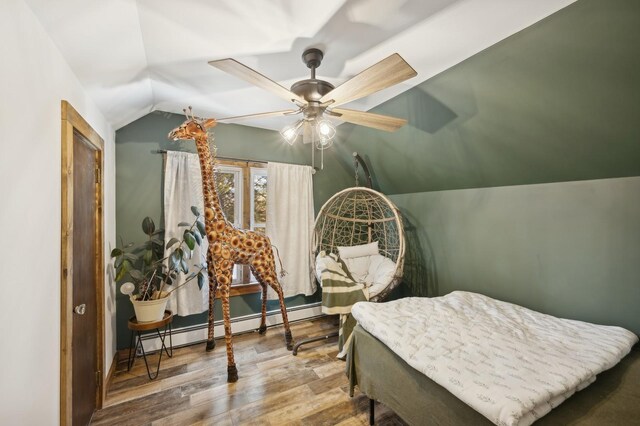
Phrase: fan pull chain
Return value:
(313, 151)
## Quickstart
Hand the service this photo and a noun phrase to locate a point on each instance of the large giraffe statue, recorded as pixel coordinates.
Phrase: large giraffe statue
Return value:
(228, 245)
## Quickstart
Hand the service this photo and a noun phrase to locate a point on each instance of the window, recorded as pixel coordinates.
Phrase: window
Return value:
(242, 189)
(259, 199)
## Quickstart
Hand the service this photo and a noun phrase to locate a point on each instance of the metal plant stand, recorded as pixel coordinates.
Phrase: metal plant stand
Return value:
(138, 329)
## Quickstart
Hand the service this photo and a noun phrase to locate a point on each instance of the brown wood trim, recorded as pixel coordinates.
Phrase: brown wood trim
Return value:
(72, 116)
(71, 120)
(238, 163)
(241, 289)
(109, 378)
(66, 277)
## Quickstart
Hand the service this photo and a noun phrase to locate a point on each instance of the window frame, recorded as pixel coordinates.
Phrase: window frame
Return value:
(244, 218)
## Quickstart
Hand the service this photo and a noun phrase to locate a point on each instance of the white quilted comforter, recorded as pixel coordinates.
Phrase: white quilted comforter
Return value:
(509, 363)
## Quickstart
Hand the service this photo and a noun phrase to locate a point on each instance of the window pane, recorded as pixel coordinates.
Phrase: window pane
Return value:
(225, 185)
(259, 198)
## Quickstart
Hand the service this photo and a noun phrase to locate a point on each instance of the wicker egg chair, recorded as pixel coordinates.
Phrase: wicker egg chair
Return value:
(360, 215)
(356, 216)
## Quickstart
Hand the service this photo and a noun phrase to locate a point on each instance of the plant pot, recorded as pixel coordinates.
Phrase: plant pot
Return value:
(150, 310)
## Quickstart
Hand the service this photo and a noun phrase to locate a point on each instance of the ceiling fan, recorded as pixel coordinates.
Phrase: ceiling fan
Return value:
(317, 98)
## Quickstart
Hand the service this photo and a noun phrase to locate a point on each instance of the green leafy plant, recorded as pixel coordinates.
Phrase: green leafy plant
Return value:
(151, 266)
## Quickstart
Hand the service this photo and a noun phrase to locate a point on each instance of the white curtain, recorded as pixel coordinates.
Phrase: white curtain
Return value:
(183, 189)
(290, 218)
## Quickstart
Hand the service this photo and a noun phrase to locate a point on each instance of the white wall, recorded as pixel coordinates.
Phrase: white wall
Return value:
(570, 249)
(34, 78)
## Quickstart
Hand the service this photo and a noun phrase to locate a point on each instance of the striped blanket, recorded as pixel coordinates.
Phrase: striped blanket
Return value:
(339, 292)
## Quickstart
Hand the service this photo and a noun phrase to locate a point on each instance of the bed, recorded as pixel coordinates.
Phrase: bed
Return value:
(383, 375)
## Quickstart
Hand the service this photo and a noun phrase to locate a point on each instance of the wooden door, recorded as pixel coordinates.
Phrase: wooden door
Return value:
(84, 340)
(81, 271)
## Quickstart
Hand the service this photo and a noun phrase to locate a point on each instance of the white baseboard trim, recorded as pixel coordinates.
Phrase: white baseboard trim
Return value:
(198, 333)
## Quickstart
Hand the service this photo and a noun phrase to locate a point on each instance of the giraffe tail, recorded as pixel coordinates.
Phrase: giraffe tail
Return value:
(282, 271)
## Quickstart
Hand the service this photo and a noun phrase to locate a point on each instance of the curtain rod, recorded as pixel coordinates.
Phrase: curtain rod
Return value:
(164, 151)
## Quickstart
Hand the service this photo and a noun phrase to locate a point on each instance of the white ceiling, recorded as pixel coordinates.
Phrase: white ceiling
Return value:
(137, 56)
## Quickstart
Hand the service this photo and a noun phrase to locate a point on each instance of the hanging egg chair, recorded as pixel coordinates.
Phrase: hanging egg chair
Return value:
(359, 216)
(362, 228)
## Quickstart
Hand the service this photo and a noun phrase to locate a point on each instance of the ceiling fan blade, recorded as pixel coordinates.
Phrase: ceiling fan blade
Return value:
(386, 73)
(260, 115)
(234, 67)
(376, 121)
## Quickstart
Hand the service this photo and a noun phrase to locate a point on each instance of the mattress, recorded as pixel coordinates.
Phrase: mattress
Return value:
(511, 364)
(613, 399)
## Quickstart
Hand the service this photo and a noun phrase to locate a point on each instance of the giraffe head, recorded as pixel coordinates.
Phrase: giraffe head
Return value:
(193, 128)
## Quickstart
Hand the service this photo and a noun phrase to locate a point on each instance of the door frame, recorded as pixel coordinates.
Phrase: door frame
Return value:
(72, 121)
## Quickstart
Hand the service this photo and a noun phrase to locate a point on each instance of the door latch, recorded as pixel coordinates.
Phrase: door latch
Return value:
(80, 309)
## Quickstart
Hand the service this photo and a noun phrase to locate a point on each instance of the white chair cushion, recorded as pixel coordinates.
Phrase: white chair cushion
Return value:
(359, 267)
(358, 251)
(375, 271)
(381, 272)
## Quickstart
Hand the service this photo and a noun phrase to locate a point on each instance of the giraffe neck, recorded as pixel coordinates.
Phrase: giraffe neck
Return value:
(207, 162)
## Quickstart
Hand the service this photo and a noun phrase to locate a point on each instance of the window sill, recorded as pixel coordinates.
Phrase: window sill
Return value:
(241, 289)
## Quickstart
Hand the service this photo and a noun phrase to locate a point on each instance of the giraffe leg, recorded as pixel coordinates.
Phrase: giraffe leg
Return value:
(213, 286)
(263, 318)
(272, 279)
(224, 276)
(265, 270)
(232, 371)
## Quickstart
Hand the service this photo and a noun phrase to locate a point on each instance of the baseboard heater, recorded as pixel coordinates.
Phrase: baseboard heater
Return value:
(192, 334)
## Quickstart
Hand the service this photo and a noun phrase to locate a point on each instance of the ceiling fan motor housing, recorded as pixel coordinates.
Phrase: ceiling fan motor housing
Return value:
(312, 90)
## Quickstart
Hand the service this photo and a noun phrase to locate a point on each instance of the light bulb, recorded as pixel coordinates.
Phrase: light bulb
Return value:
(325, 130)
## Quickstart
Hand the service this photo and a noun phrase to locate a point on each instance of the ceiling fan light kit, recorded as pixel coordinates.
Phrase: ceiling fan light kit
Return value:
(290, 133)
(317, 99)
(326, 130)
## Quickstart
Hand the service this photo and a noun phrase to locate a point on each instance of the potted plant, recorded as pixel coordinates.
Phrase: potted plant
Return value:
(150, 267)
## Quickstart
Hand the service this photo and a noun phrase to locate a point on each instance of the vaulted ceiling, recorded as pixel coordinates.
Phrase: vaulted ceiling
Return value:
(137, 56)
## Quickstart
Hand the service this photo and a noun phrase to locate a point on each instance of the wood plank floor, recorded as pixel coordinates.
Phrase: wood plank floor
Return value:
(275, 387)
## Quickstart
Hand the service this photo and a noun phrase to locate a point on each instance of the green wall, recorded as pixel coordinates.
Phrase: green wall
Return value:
(559, 101)
(139, 189)
(570, 249)
(516, 171)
